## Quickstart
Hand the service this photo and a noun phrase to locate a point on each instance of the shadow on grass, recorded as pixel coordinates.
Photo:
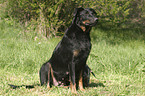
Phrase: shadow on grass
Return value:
(117, 36)
(27, 86)
(99, 84)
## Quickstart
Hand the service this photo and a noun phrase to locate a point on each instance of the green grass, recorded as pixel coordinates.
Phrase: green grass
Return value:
(117, 58)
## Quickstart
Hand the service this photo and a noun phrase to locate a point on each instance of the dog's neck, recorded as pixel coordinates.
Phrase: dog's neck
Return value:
(80, 25)
(83, 27)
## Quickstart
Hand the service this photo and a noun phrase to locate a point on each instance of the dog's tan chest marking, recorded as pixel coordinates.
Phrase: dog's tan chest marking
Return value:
(76, 52)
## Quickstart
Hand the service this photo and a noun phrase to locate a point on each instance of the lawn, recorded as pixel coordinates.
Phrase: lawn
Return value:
(117, 58)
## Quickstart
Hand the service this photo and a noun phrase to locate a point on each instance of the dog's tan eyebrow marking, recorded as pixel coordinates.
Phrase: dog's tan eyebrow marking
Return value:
(86, 21)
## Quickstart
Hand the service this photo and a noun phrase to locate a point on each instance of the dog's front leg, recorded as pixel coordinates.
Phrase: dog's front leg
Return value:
(72, 77)
(81, 81)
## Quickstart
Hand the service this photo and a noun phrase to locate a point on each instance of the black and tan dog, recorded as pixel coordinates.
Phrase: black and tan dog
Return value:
(67, 66)
(68, 61)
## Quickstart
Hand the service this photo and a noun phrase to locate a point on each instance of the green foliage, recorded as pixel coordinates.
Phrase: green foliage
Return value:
(51, 17)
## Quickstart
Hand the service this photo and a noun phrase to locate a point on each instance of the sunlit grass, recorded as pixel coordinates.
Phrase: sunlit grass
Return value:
(117, 60)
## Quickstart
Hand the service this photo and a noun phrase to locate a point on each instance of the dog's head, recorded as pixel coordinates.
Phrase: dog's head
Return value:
(85, 16)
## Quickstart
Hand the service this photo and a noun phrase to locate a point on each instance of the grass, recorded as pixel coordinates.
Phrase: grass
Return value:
(117, 58)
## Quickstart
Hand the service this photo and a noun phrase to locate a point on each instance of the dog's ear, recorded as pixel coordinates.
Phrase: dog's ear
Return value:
(76, 14)
(77, 11)
(92, 10)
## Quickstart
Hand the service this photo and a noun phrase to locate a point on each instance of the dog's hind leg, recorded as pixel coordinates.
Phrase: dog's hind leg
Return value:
(43, 73)
(48, 81)
(55, 83)
(51, 77)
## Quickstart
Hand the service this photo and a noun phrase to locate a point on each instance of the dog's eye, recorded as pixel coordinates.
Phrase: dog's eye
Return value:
(95, 14)
(87, 12)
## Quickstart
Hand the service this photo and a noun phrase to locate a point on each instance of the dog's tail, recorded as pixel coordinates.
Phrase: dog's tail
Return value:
(93, 73)
(15, 86)
(89, 69)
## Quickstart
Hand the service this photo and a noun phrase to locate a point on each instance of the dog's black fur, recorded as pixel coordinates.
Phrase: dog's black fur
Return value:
(67, 66)
(68, 61)
(43, 73)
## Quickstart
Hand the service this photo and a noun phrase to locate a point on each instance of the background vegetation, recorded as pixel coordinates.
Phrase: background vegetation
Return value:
(46, 18)
(117, 56)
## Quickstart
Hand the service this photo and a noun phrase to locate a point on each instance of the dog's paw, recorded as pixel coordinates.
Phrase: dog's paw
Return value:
(48, 86)
(82, 89)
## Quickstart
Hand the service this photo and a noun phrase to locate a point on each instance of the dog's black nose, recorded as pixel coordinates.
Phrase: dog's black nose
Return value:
(96, 19)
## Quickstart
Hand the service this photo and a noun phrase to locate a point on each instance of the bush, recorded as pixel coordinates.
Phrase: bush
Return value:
(51, 18)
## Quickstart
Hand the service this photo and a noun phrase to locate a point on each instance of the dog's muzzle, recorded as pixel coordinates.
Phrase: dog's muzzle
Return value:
(95, 22)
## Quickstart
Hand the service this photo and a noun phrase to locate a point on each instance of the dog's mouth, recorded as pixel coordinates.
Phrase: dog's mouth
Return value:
(91, 24)
(88, 23)
(94, 24)
(96, 21)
